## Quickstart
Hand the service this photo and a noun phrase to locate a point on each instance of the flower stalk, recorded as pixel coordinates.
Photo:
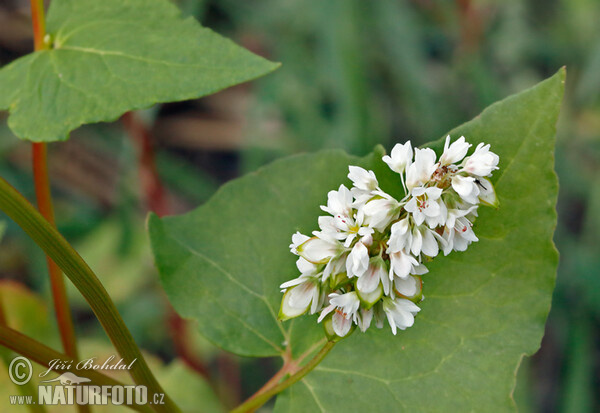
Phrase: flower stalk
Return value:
(274, 387)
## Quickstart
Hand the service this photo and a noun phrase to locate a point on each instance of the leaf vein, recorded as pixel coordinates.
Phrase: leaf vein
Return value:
(237, 282)
(314, 395)
(139, 58)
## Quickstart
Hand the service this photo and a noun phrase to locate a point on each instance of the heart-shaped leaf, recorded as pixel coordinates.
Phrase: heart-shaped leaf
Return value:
(111, 56)
(485, 308)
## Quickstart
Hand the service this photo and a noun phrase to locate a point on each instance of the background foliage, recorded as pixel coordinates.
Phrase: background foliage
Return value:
(355, 74)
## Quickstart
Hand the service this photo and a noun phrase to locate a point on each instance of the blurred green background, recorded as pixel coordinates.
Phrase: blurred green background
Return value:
(355, 74)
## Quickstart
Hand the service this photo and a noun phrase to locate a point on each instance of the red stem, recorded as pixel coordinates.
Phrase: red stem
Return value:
(44, 200)
(39, 23)
(156, 201)
(57, 281)
(178, 329)
(153, 190)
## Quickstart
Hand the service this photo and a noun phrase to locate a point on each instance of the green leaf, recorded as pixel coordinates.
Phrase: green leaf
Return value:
(485, 308)
(112, 56)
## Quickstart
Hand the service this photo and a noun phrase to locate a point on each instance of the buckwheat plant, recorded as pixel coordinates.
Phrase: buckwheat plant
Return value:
(365, 262)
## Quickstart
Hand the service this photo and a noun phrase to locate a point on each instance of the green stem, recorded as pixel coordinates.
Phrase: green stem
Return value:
(61, 252)
(266, 393)
(44, 355)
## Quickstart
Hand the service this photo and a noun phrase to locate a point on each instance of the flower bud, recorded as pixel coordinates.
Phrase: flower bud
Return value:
(330, 330)
(338, 281)
(317, 250)
(297, 300)
(487, 193)
(368, 300)
(410, 288)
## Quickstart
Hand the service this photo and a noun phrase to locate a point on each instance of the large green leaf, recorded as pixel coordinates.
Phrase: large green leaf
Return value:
(222, 264)
(112, 56)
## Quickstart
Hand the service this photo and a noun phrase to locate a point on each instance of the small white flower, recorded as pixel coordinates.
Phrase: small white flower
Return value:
(466, 187)
(300, 294)
(345, 307)
(335, 266)
(424, 240)
(362, 318)
(360, 197)
(454, 153)
(343, 228)
(482, 162)
(401, 264)
(420, 171)
(401, 157)
(419, 270)
(400, 313)
(357, 261)
(363, 179)
(347, 303)
(459, 236)
(426, 204)
(487, 193)
(400, 236)
(339, 203)
(318, 251)
(459, 212)
(297, 240)
(409, 287)
(305, 267)
(381, 210)
(375, 274)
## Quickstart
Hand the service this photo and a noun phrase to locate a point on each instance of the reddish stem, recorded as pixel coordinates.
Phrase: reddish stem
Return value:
(156, 201)
(44, 199)
(3, 321)
(472, 28)
(178, 329)
(39, 24)
(153, 190)
(57, 281)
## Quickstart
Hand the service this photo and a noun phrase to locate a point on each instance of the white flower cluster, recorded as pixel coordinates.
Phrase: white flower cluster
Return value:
(366, 260)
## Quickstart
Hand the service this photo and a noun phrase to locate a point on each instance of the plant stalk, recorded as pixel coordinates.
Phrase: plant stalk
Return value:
(63, 254)
(264, 394)
(152, 188)
(57, 281)
(38, 20)
(155, 197)
(44, 201)
(44, 355)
